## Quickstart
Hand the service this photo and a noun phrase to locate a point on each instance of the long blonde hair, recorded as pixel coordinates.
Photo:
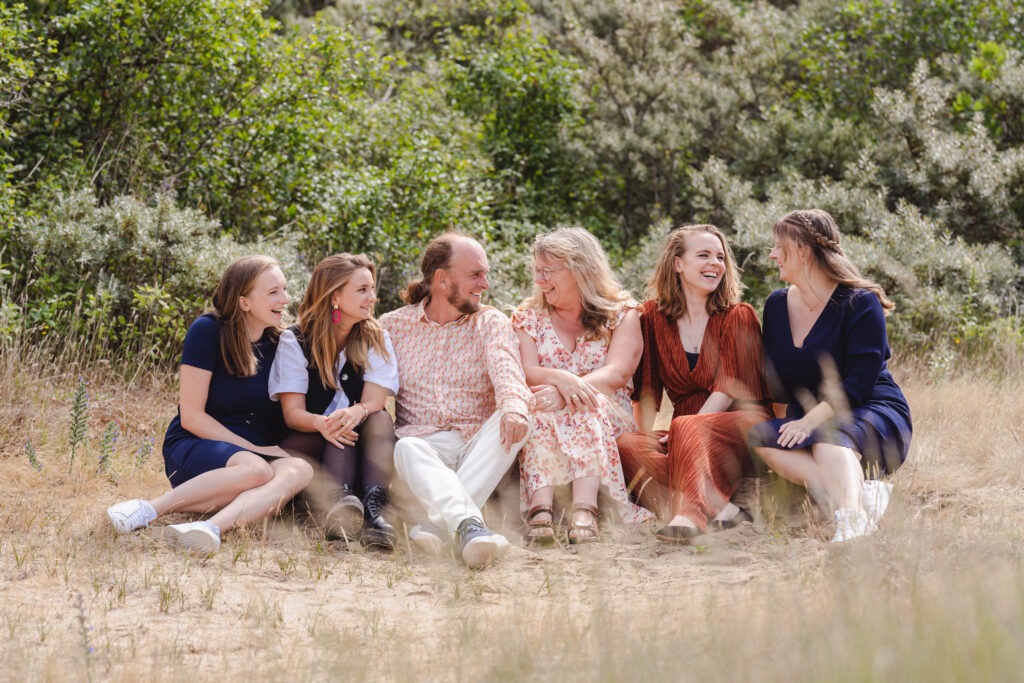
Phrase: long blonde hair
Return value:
(602, 294)
(237, 281)
(329, 276)
(817, 230)
(665, 287)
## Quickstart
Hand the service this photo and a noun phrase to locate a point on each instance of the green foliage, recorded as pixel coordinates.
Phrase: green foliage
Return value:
(33, 457)
(22, 50)
(954, 173)
(108, 445)
(128, 275)
(412, 173)
(79, 419)
(992, 85)
(202, 97)
(867, 44)
(638, 58)
(518, 89)
(146, 143)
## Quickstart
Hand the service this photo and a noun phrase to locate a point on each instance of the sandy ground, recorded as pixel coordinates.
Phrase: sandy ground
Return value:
(279, 602)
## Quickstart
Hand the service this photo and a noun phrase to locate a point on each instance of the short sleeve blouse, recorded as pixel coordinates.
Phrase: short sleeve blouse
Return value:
(288, 373)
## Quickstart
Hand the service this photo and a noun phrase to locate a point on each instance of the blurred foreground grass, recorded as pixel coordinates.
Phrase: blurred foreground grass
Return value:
(936, 594)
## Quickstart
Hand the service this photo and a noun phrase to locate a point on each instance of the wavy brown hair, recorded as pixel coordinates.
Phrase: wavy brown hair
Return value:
(330, 275)
(602, 294)
(817, 230)
(665, 288)
(237, 281)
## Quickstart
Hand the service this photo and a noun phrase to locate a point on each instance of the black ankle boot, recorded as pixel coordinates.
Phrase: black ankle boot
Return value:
(376, 530)
(344, 520)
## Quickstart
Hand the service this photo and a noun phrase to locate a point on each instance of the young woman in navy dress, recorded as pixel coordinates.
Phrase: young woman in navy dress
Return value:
(333, 372)
(221, 451)
(826, 350)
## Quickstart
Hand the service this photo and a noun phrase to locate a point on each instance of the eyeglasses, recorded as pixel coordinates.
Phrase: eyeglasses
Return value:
(546, 273)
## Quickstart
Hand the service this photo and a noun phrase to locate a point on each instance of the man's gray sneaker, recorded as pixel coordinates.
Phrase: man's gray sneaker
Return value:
(478, 545)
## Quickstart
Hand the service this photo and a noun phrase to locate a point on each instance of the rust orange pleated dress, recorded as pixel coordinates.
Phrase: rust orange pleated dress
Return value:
(706, 455)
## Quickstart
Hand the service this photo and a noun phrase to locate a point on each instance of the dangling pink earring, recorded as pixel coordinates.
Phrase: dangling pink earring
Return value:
(335, 314)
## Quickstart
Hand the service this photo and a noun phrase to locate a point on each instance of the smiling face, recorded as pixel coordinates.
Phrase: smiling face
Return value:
(356, 297)
(702, 266)
(786, 256)
(263, 305)
(465, 278)
(555, 281)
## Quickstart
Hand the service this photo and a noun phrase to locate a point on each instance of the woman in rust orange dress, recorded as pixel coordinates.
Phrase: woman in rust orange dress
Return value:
(703, 348)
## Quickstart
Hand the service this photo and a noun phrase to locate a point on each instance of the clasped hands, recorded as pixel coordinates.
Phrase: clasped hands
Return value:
(339, 428)
(565, 391)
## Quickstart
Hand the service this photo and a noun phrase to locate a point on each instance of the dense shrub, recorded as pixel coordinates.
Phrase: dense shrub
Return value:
(941, 283)
(127, 275)
(372, 125)
(519, 90)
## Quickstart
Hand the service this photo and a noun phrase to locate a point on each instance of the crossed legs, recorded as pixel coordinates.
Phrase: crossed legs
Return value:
(247, 489)
(450, 477)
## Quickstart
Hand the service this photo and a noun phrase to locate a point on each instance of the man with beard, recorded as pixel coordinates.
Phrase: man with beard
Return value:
(463, 406)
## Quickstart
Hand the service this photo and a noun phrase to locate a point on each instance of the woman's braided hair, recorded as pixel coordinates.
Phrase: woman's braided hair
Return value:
(813, 233)
(817, 229)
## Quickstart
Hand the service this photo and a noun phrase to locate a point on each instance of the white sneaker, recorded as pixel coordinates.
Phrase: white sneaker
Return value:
(480, 552)
(427, 538)
(852, 524)
(131, 515)
(478, 545)
(202, 536)
(875, 498)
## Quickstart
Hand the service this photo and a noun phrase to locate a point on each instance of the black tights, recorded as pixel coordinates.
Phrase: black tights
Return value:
(370, 462)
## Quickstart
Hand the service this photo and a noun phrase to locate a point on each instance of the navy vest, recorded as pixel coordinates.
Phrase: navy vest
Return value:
(319, 395)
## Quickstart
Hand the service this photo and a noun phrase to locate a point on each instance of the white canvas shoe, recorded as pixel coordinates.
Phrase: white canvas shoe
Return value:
(478, 545)
(131, 515)
(427, 538)
(201, 536)
(852, 524)
(875, 498)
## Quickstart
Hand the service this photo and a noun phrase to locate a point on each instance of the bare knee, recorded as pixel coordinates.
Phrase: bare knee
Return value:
(292, 474)
(768, 455)
(252, 471)
(299, 472)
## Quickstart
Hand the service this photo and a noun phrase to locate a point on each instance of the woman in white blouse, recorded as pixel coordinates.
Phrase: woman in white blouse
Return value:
(332, 373)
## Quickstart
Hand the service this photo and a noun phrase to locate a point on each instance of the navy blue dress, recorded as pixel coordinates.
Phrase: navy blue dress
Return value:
(848, 343)
(242, 404)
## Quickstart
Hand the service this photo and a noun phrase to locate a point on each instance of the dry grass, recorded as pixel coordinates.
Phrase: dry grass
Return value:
(936, 594)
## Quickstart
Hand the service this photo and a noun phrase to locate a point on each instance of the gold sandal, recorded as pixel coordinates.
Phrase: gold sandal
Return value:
(540, 532)
(584, 532)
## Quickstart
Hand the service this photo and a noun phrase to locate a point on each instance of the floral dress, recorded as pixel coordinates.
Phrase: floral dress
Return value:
(567, 445)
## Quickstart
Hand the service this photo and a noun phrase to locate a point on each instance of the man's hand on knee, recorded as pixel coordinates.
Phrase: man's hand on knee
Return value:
(514, 428)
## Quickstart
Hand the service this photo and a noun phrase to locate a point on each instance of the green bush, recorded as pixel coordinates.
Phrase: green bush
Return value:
(372, 125)
(941, 283)
(124, 278)
(519, 91)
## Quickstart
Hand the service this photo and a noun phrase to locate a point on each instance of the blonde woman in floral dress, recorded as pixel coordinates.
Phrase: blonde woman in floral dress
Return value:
(579, 336)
